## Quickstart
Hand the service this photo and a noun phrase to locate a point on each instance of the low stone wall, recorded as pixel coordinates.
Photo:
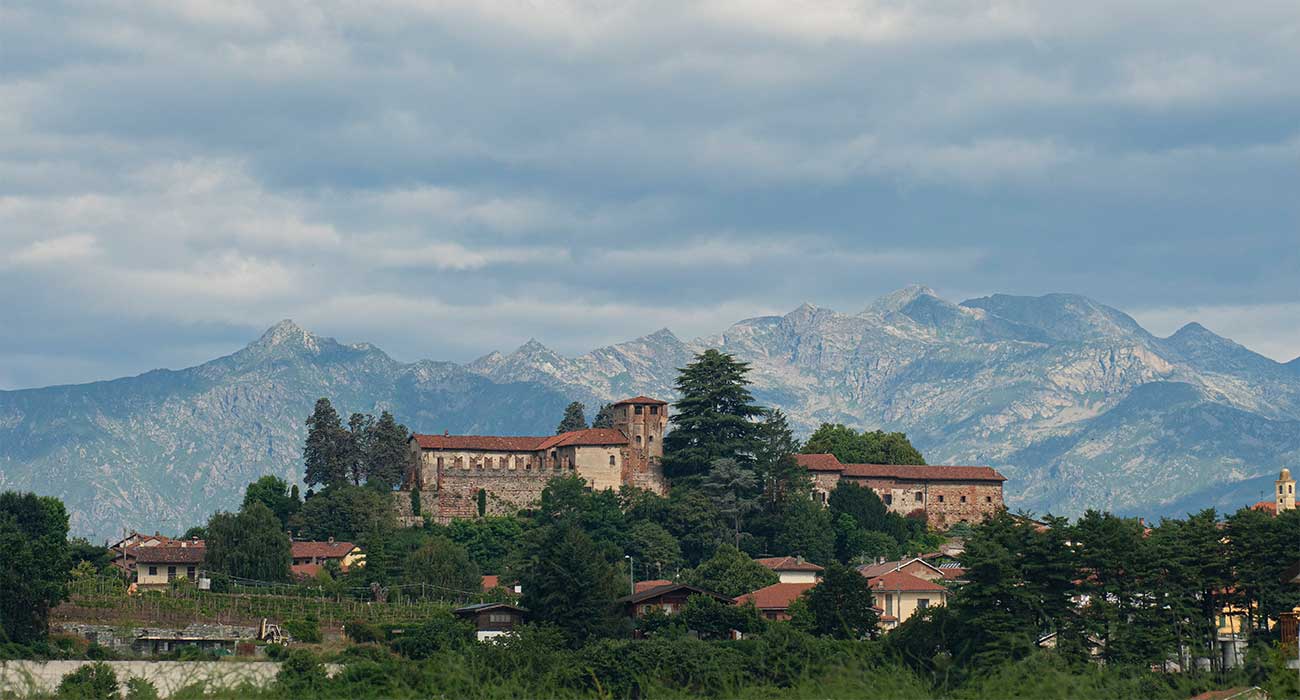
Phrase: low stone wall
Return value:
(125, 638)
(29, 678)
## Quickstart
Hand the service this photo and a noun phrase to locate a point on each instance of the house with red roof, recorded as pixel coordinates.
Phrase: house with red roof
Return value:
(944, 495)
(467, 476)
(308, 558)
(901, 595)
(773, 601)
(793, 569)
(156, 566)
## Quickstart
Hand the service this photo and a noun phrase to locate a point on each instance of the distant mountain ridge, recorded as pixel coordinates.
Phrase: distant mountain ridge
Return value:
(1073, 400)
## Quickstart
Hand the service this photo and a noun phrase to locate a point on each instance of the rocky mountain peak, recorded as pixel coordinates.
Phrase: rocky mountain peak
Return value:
(285, 338)
(899, 299)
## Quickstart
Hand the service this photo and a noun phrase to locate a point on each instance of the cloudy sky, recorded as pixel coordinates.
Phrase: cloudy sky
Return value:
(448, 178)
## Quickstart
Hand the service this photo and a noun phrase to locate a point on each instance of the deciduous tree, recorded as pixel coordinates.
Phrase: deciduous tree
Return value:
(34, 563)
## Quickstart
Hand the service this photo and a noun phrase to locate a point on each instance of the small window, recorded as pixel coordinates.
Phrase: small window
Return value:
(988, 499)
(889, 499)
(153, 571)
(650, 439)
(963, 499)
(611, 460)
(919, 497)
(941, 499)
(440, 462)
(922, 604)
(638, 439)
(639, 410)
(654, 410)
(499, 617)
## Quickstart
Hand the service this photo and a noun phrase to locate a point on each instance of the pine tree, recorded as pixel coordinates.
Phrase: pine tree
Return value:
(605, 417)
(779, 475)
(734, 489)
(388, 454)
(574, 419)
(357, 446)
(714, 417)
(325, 452)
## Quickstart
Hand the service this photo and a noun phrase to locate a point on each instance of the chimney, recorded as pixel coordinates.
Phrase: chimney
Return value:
(446, 433)
(798, 559)
(331, 540)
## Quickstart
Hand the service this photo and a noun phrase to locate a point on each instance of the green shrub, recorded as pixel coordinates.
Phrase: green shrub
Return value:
(301, 674)
(140, 689)
(95, 681)
(442, 632)
(361, 632)
(306, 630)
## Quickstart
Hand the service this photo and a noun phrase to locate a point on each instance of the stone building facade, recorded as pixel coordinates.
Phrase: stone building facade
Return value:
(465, 476)
(946, 495)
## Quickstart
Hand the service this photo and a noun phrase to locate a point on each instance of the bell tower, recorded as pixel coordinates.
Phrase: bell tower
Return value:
(1285, 493)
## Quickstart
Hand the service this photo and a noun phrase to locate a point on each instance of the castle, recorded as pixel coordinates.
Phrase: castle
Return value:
(466, 476)
(945, 495)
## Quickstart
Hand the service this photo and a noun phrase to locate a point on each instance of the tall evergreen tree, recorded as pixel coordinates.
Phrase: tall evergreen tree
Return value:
(604, 417)
(841, 604)
(570, 582)
(734, 489)
(714, 417)
(780, 476)
(357, 445)
(388, 455)
(325, 453)
(34, 564)
(574, 418)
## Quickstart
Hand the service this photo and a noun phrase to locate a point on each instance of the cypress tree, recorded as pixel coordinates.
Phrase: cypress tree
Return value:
(714, 417)
(388, 454)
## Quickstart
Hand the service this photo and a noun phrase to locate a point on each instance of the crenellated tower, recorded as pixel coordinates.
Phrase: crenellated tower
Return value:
(644, 421)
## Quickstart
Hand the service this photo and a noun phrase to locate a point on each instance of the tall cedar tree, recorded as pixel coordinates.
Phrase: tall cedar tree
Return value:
(714, 417)
(841, 605)
(867, 447)
(34, 564)
(996, 606)
(734, 489)
(574, 418)
(570, 582)
(325, 453)
(357, 446)
(249, 544)
(604, 417)
(388, 455)
(779, 475)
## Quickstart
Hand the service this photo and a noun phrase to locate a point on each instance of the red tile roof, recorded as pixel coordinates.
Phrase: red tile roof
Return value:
(169, 555)
(323, 550)
(788, 564)
(819, 463)
(1265, 507)
(899, 581)
(777, 596)
(874, 570)
(829, 463)
(495, 443)
(305, 570)
(642, 400)
(647, 585)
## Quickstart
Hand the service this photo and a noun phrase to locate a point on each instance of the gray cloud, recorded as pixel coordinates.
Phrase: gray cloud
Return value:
(176, 175)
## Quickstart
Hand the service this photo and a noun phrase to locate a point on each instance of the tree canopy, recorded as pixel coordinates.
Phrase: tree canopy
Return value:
(249, 544)
(714, 418)
(34, 563)
(867, 447)
(574, 418)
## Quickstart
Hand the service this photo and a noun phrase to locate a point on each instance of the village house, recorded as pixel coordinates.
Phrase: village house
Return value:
(901, 595)
(157, 567)
(915, 566)
(124, 550)
(668, 597)
(944, 495)
(465, 476)
(307, 558)
(773, 602)
(492, 619)
(793, 569)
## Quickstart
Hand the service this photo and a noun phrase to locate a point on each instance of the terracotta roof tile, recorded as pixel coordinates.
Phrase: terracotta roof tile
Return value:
(641, 400)
(647, 585)
(788, 564)
(874, 570)
(899, 581)
(1265, 507)
(496, 443)
(590, 436)
(169, 555)
(819, 463)
(777, 596)
(324, 550)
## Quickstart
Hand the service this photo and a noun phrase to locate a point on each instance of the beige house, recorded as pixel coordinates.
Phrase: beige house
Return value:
(156, 567)
(309, 557)
(902, 595)
(793, 569)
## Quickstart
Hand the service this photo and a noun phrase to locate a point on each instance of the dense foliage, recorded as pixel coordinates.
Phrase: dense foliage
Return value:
(366, 451)
(867, 447)
(250, 544)
(574, 418)
(34, 563)
(713, 419)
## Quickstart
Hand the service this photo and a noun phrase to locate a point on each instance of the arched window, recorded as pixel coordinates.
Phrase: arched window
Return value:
(638, 440)
(611, 460)
(650, 438)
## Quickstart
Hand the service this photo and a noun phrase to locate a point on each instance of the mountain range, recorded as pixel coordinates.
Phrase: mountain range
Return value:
(1076, 403)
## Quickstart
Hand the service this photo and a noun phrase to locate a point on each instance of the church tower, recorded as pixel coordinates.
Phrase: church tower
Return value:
(1285, 491)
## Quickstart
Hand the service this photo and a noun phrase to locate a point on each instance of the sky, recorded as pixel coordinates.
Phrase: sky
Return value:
(443, 179)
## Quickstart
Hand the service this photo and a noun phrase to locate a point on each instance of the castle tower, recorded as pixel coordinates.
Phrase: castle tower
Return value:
(1285, 491)
(643, 420)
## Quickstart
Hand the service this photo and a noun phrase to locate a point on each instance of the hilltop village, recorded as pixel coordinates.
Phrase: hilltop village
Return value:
(698, 533)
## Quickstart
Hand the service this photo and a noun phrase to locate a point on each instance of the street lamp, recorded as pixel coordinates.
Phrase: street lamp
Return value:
(631, 575)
